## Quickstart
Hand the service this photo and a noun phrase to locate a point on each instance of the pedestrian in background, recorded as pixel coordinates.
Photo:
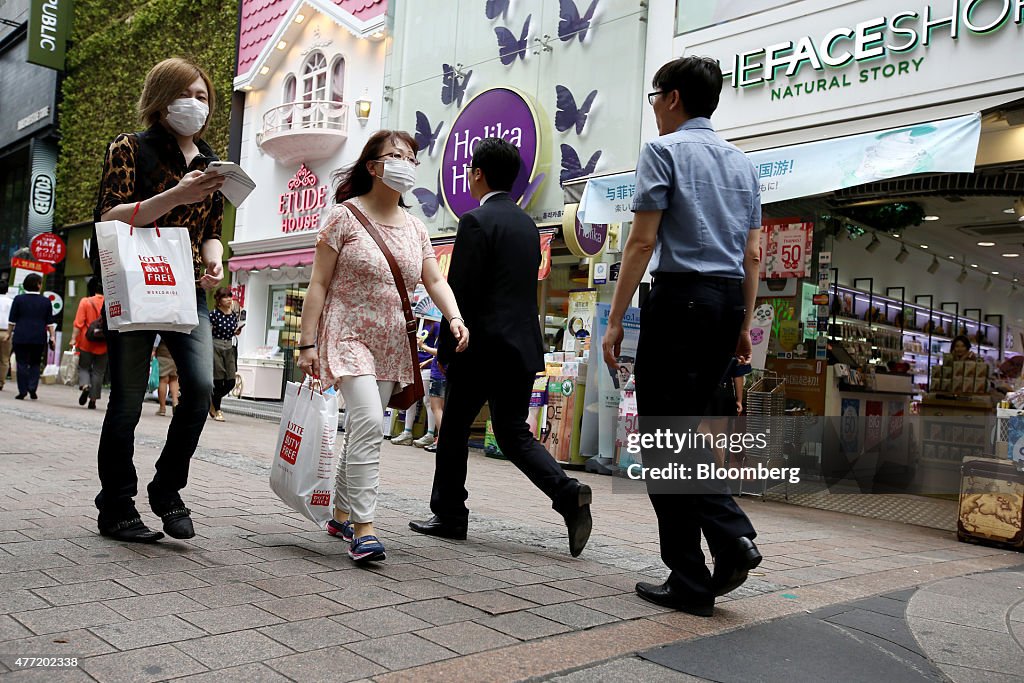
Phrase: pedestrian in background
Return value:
(427, 339)
(92, 353)
(494, 275)
(224, 326)
(435, 392)
(167, 391)
(5, 334)
(697, 213)
(31, 322)
(157, 176)
(353, 327)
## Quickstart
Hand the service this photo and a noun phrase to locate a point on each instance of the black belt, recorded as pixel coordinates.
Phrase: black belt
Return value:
(694, 278)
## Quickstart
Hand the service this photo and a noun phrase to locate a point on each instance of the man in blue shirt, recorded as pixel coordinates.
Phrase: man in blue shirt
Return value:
(697, 217)
(30, 319)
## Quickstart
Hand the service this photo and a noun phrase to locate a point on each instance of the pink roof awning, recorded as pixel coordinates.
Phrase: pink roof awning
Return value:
(294, 257)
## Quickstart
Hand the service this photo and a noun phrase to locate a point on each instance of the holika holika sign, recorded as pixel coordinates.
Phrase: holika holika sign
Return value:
(497, 113)
(874, 38)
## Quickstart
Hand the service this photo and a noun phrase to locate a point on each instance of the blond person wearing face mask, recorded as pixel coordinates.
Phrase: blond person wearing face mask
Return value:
(156, 176)
(353, 330)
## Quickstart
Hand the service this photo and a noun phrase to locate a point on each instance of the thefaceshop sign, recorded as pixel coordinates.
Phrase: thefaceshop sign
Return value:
(819, 62)
(875, 38)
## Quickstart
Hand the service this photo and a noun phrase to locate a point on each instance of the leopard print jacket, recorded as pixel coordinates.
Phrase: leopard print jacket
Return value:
(141, 165)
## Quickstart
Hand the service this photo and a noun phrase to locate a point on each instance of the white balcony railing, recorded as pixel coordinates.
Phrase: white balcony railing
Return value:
(306, 130)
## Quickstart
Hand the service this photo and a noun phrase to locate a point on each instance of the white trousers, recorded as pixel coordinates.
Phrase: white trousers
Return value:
(414, 409)
(359, 465)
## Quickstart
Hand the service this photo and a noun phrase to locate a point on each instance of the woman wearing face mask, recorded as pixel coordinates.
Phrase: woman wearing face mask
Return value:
(353, 329)
(156, 176)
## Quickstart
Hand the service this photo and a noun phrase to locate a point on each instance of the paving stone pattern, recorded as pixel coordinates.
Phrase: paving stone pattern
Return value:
(261, 594)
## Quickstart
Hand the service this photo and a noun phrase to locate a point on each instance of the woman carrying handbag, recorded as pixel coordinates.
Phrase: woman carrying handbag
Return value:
(358, 333)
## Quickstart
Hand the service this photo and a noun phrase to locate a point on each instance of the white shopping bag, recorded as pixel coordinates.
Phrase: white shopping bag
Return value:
(69, 367)
(148, 279)
(303, 471)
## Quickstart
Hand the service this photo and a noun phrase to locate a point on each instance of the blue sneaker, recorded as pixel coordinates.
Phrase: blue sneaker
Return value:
(366, 549)
(344, 530)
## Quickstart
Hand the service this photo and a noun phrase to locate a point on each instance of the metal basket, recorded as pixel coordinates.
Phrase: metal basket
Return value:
(766, 407)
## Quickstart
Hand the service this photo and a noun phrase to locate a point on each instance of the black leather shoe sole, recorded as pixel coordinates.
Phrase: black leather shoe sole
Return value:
(659, 596)
(748, 558)
(452, 531)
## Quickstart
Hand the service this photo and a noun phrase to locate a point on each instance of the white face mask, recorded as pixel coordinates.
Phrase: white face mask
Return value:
(187, 115)
(399, 175)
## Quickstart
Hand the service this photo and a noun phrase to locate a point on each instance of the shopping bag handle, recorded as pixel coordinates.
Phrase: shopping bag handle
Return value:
(313, 379)
(131, 222)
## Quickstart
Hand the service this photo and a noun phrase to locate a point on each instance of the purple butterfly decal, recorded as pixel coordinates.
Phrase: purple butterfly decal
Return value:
(531, 190)
(429, 201)
(508, 47)
(569, 114)
(571, 24)
(571, 166)
(425, 137)
(496, 8)
(453, 88)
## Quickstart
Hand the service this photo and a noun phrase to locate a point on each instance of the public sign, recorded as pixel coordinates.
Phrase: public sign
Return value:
(48, 248)
(49, 24)
(820, 299)
(35, 266)
(56, 302)
(585, 240)
(502, 113)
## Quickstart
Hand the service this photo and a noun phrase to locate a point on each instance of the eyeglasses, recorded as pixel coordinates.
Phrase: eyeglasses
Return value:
(651, 95)
(399, 157)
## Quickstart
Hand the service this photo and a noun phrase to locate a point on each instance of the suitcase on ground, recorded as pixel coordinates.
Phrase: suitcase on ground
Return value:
(991, 503)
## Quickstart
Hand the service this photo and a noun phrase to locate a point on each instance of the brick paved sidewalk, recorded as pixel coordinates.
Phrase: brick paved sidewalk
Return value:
(260, 594)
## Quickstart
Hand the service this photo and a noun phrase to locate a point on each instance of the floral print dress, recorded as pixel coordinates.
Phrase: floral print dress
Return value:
(362, 328)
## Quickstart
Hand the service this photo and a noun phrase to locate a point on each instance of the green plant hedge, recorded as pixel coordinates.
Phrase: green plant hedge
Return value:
(113, 45)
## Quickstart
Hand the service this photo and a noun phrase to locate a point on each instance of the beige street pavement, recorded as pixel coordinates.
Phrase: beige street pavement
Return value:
(261, 595)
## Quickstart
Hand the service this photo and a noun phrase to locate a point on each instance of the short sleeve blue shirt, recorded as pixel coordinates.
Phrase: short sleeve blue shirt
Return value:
(710, 197)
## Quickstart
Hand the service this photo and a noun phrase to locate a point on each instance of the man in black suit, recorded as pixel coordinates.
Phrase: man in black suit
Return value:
(494, 276)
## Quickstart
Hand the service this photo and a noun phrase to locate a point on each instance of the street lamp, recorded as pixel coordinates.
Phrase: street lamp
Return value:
(363, 105)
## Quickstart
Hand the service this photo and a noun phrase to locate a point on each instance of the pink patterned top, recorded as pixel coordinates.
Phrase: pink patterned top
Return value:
(362, 329)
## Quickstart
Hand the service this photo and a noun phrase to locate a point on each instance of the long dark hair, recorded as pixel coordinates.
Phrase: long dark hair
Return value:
(355, 180)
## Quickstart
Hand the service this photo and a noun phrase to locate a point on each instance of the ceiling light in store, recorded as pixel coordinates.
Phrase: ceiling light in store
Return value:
(903, 255)
(930, 218)
(974, 265)
(264, 70)
(995, 272)
(1011, 255)
(962, 276)
(282, 45)
(988, 284)
(874, 244)
(952, 258)
(1010, 210)
(896, 235)
(1018, 208)
(299, 18)
(246, 88)
(986, 244)
(934, 266)
(378, 35)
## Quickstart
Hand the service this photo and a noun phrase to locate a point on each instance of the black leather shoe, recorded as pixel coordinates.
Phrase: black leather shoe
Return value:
(32, 395)
(732, 565)
(578, 520)
(435, 526)
(178, 523)
(84, 396)
(666, 597)
(131, 531)
(20, 397)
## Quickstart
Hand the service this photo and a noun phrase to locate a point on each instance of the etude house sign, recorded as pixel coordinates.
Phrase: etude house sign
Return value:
(502, 113)
(301, 205)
